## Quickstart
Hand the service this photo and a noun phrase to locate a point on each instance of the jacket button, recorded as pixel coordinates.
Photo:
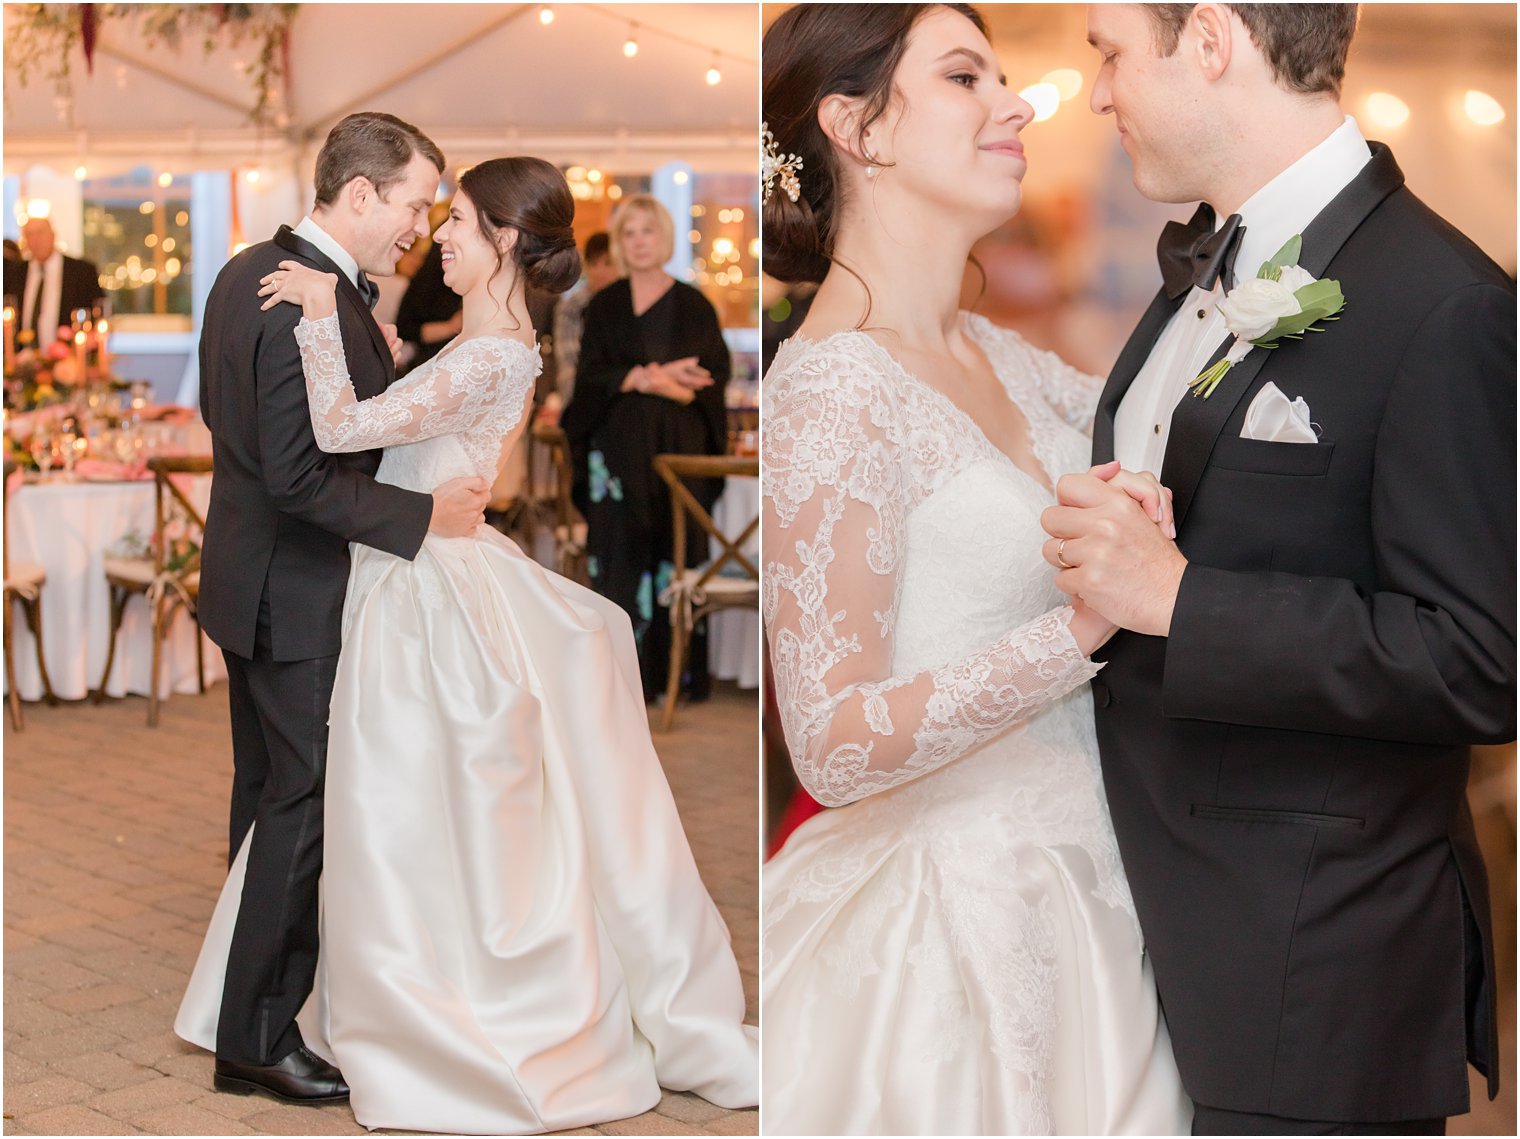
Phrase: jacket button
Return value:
(1102, 697)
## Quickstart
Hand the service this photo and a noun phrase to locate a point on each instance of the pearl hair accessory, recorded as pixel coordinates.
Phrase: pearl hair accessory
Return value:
(775, 166)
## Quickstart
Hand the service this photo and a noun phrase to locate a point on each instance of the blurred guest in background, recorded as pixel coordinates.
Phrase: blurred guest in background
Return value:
(392, 289)
(48, 286)
(597, 272)
(650, 380)
(430, 314)
(12, 252)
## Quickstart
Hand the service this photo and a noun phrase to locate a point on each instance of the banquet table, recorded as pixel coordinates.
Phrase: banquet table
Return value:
(67, 527)
(733, 635)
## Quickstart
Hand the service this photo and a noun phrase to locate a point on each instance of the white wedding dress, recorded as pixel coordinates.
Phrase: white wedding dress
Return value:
(953, 949)
(515, 938)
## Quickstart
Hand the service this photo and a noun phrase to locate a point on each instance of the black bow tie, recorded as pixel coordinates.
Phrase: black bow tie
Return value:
(1194, 254)
(368, 290)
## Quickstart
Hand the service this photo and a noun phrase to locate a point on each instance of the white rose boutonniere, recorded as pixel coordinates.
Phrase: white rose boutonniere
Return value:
(1281, 302)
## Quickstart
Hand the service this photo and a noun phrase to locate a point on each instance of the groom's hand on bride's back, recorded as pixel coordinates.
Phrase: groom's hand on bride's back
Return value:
(459, 506)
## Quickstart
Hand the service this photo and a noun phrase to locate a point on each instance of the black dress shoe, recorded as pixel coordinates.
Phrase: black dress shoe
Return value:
(300, 1077)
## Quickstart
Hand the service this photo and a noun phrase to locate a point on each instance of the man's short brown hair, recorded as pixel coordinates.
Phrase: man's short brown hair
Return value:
(1306, 44)
(378, 146)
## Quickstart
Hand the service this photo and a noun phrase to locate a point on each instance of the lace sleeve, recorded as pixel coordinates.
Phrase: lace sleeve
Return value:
(448, 395)
(836, 496)
(1072, 393)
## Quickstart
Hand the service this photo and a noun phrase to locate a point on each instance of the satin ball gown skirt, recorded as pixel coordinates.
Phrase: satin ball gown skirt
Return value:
(515, 938)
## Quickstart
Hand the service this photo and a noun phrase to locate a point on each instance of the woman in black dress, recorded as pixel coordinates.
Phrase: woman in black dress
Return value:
(650, 381)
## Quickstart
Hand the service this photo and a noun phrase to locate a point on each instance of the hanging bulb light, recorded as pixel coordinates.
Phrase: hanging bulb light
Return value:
(546, 15)
(631, 44)
(80, 173)
(714, 76)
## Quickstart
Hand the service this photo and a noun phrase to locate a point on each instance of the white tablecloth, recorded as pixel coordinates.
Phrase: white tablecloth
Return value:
(66, 527)
(733, 637)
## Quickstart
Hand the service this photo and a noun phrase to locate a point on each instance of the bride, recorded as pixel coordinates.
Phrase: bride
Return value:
(515, 938)
(953, 949)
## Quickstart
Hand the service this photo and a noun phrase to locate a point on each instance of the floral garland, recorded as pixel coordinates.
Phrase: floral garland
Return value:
(42, 37)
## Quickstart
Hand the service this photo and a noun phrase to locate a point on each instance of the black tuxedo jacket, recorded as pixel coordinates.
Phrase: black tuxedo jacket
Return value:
(1287, 770)
(79, 288)
(282, 511)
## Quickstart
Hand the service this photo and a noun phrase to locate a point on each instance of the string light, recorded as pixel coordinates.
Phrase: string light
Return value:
(165, 179)
(714, 76)
(546, 15)
(1045, 98)
(1066, 80)
(631, 44)
(1482, 108)
(1387, 111)
(80, 173)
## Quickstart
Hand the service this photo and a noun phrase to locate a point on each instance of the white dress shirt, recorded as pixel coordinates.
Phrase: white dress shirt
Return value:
(46, 277)
(325, 241)
(1283, 207)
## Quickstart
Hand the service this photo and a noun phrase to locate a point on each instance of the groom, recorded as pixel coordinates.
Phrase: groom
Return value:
(1285, 725)
(275, 569)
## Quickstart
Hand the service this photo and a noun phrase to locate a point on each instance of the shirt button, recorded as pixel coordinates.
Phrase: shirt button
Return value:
(1157, 429)
(1201, 314)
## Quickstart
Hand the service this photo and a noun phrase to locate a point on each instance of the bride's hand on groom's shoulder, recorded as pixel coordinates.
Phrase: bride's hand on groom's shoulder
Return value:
(297, 284)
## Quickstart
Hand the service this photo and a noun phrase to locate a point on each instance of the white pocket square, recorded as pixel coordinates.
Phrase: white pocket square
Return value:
(1273, 418)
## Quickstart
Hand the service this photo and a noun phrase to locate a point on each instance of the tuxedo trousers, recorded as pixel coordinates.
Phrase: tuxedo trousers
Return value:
(279, 753)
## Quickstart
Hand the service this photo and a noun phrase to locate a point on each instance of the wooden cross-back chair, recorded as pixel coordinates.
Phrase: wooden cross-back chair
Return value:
(166, 591)
(23, 586)
(694, 593)
(569, 526)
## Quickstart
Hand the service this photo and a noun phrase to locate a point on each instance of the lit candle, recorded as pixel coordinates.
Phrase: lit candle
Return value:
(79, 339)
(102, 334)
(10, 338)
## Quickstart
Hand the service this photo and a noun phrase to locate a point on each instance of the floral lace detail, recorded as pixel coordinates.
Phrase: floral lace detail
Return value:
(475, 392)
(852, 445)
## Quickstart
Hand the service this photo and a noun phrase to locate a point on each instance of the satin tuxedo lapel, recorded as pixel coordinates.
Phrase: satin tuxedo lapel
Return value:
(1197, 423)
(349, 297)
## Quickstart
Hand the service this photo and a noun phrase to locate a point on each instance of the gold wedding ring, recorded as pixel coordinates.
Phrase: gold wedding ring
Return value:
(1061, 554)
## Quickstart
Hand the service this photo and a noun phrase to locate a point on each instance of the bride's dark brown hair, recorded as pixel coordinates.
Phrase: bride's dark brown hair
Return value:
(813, 51)
(531, 196)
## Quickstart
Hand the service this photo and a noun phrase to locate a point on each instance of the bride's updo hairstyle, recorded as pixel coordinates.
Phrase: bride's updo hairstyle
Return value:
(813, 51)
(532, 197)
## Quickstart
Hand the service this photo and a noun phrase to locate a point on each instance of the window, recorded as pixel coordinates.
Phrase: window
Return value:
(137, 234)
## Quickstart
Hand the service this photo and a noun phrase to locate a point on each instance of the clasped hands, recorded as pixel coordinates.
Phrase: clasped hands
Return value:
(1112, 543)
(678, 380)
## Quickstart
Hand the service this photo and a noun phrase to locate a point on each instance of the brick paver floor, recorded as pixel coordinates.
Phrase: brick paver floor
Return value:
(115, 849)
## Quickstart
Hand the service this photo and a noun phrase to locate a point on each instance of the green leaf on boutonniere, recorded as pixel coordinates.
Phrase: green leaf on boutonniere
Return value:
(1287, 255)
(1320, 300)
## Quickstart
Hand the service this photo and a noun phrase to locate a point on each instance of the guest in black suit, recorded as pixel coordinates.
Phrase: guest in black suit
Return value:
(1285, 726)
(653, 368)
(275, 568)
(430, 314)
(48, 286)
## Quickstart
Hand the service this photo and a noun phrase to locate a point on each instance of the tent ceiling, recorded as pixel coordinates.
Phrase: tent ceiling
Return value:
(477, 77)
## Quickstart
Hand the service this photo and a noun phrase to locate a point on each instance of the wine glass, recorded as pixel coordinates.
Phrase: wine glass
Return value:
(66, 439)
(42, 446)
